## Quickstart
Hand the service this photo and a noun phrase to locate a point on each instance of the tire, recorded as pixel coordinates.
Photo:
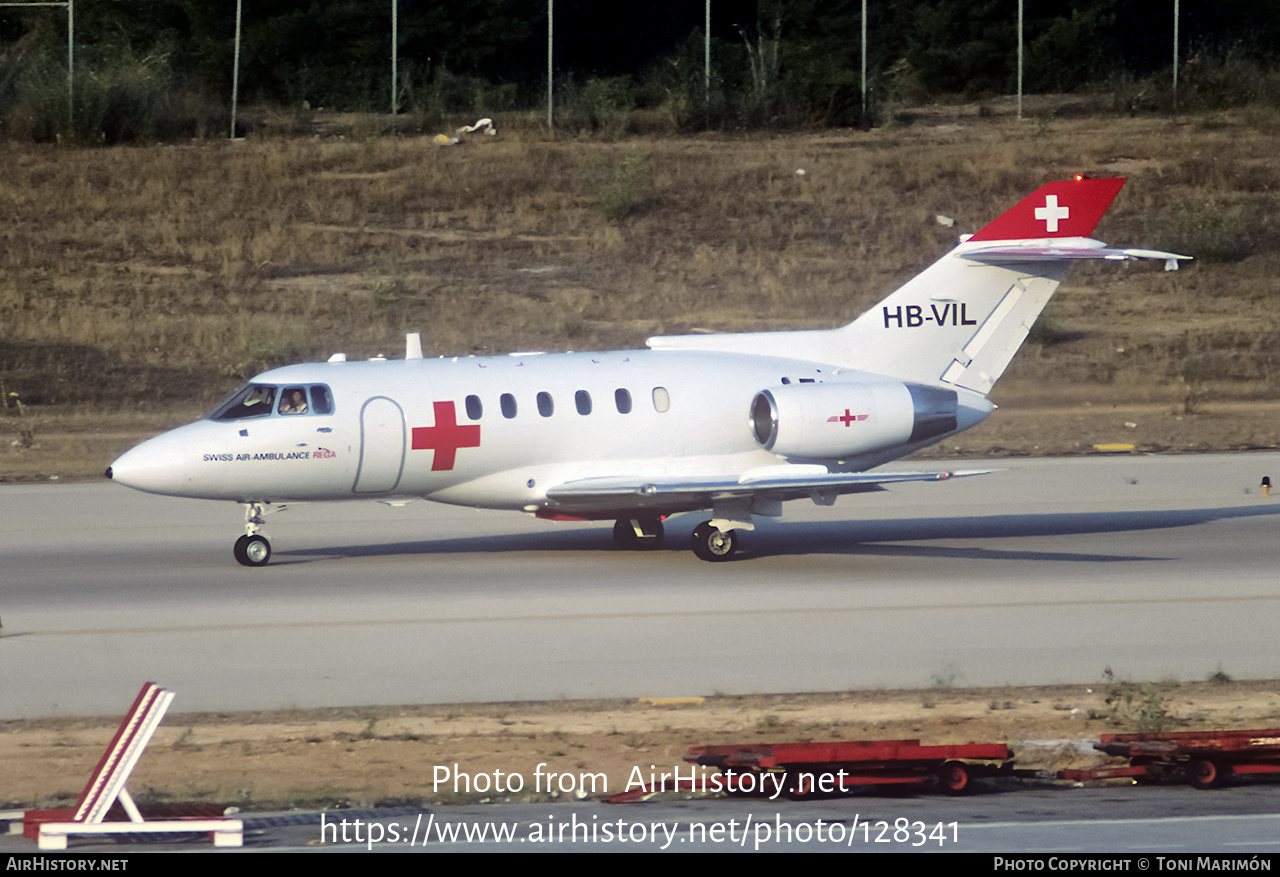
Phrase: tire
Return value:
(624, 533)
(712, 544)
(954, 778)
(798, 786)
(1203, 773)
(252, 551)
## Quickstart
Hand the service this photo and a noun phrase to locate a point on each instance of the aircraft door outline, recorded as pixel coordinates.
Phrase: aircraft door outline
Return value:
(383, 438)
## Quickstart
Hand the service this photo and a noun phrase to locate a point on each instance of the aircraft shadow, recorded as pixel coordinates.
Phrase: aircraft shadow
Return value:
(853, 537)
(866, 537)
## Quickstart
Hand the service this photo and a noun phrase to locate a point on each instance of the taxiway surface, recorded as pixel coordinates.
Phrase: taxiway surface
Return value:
(1048, 571)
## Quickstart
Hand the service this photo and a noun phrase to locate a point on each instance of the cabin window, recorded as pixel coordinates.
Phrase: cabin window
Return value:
(786, 380)
(474, 408)
(507, 403)
(622, 399)
(583, 400)
(661, 399)
(806, 380)
(546, 407)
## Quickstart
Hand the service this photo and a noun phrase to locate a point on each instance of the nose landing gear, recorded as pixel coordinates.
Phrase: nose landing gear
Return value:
(252, 549)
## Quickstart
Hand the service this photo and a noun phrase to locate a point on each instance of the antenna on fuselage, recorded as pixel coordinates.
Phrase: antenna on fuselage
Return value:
(413, 345)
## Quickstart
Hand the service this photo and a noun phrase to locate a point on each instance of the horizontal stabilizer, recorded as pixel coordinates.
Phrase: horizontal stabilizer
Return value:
(1039, 251)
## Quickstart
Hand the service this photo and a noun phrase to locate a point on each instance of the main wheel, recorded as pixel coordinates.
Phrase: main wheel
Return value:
(252, 550)
(953, 778)
(712, 544)
(1205, 774)
(625, 536)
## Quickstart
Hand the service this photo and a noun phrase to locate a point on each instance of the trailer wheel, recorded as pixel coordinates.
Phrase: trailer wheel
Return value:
(798, 786)
(954, 777)
(1206, 774)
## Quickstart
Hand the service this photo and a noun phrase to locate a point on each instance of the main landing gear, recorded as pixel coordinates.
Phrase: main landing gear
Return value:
(252, 549)
(645, 532)
(638, 533)
(710, 543)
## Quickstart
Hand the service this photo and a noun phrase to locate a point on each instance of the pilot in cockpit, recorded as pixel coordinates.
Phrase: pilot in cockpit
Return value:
(293, 401)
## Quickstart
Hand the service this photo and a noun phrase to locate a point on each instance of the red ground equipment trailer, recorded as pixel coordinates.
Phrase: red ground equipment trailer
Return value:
(805, 770)
(1206, 759)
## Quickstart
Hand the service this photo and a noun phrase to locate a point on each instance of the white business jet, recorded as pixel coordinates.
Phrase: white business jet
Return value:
(734, 423)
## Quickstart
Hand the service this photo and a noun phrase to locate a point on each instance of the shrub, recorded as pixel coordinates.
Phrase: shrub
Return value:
(117, 97)
(617, 183)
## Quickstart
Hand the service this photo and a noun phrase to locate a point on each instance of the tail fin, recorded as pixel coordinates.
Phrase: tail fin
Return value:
(960, 322)
(1067, 209)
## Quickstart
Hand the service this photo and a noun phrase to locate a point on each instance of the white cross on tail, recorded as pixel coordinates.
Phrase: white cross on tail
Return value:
(1051, 213)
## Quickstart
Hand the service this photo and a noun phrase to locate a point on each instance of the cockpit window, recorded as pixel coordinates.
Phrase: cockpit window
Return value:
(251, 400)
(321, 401)
(294, 401)
(260, 400)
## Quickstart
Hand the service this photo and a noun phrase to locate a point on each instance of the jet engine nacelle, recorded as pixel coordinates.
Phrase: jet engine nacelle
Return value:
(836, 420)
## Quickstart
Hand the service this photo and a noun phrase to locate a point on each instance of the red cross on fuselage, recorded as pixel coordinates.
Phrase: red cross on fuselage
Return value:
(847, 418)
(445, 437)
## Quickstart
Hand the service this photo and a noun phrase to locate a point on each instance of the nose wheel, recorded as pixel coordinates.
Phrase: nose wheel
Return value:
(252, 549)
(713, 544)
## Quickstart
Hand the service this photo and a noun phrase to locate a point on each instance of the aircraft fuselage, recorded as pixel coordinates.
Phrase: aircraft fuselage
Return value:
(487, 431)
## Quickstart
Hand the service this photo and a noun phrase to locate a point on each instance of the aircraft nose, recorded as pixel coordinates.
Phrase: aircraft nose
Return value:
(155, 466)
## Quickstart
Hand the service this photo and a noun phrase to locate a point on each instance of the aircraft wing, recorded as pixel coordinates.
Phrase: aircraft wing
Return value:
(692, 492)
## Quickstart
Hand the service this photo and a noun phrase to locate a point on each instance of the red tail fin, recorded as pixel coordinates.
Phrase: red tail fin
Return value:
(1066, 209)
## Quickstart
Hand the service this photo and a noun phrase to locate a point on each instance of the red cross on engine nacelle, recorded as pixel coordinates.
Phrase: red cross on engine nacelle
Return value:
(446, 437)
(847, 418)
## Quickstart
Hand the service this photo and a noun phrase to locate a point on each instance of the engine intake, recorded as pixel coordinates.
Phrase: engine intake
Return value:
(835, 420)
